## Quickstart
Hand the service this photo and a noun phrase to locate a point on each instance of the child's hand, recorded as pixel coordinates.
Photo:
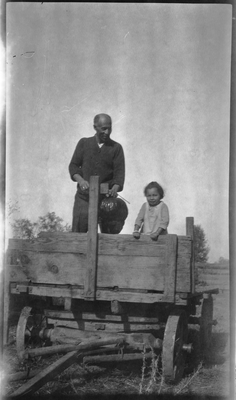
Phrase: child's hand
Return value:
(154, 236)
(136, 235)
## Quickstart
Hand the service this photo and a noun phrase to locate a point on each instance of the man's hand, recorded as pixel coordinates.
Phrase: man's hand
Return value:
(114, 190)
(84, 185)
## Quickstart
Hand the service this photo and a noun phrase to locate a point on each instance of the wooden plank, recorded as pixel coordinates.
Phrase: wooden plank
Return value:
(190, 232)
(58, 234)
(60, 335)
(69, 242)
(92, 237)
(127, 245)
(59, 268)
(131, 297)
(52, 268)
(76, 336)
(122, 244)
(46, 375)
(184, 246)
(170, 272)
(77, 243)
(102, 295)
(115, 358)
(78, 293)
(98, 317)
(103, 326)
(183, 277)
(131, 272)
(69, 269)
(17, 376)
(88, 345)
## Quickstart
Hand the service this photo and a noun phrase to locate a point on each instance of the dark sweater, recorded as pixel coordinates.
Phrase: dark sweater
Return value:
(107, 162)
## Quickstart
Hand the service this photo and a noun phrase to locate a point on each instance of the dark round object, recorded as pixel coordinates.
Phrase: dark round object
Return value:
(113, 209)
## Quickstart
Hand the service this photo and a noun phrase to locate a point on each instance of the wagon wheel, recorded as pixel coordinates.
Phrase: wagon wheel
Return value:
(206, 321)
(27, 333)
(173, 354)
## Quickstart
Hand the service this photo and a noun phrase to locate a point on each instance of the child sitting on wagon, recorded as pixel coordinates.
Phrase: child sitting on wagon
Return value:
(153, 217)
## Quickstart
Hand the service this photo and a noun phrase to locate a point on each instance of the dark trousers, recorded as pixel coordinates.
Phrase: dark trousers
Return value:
(80, 215)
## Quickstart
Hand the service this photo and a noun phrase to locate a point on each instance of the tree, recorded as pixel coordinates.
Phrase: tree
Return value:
(201, 249)
(52, 223)
(224, 262)
(25, 229)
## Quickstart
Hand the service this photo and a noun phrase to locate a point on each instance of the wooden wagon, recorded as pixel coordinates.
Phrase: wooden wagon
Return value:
(102, 286)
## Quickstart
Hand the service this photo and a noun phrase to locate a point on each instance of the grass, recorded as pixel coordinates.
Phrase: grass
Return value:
(142, 378)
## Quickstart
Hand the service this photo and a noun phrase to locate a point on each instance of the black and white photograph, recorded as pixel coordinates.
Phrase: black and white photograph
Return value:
(116, 277)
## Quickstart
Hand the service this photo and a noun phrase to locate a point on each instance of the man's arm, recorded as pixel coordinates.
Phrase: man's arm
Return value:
(77, 160)
(118, 170)
(75, 166)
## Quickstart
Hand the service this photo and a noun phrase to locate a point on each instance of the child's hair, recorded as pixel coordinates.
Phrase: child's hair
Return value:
(156, 185)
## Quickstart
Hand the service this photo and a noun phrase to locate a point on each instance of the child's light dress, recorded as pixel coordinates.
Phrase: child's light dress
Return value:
(152, 218)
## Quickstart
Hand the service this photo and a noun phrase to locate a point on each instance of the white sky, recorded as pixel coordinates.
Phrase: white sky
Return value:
(162, 71)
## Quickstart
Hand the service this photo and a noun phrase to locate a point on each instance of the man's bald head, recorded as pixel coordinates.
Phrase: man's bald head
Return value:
(102, 118)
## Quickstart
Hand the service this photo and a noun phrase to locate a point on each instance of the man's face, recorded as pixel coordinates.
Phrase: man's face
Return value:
(103, 128)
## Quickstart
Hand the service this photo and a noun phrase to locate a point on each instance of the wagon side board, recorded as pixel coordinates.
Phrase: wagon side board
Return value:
(123, 263)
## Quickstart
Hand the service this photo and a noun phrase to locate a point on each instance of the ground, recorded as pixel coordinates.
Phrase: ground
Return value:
(203, 377)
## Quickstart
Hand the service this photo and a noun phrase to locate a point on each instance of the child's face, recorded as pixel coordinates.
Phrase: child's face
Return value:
(153, 197)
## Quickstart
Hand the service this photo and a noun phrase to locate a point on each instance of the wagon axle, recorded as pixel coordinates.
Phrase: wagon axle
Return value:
(47, 333)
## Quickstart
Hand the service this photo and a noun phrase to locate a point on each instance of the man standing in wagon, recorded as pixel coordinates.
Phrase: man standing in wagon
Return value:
(96, 155)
